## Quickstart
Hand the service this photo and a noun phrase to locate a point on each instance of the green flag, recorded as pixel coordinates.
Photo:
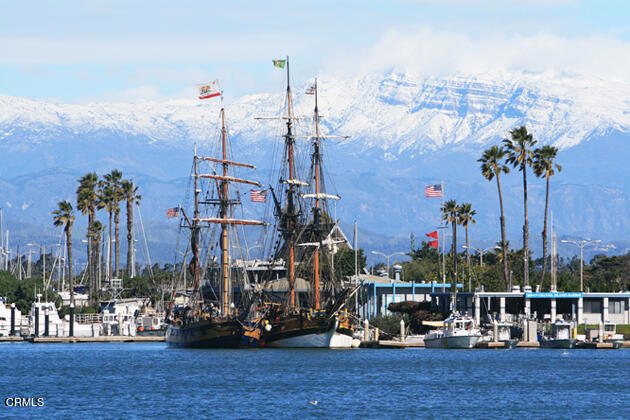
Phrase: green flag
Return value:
(279, 63)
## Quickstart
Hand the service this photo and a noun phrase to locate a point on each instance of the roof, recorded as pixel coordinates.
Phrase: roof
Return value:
(282, 285)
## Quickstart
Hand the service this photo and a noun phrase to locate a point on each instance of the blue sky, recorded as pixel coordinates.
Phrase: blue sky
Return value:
(124, 51)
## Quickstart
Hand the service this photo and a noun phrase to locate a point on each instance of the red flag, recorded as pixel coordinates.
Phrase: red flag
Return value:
(433, 234)
(434, 244)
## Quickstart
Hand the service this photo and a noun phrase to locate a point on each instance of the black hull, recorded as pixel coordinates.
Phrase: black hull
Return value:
(205, 334)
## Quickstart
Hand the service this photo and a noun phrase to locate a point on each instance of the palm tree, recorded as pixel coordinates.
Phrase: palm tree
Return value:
(130, 192)
(114, 179)
(64, 216)
(492, 166)
(544, 167)
(449, 214)
(87, 198)
(465, 216)
(519, 155)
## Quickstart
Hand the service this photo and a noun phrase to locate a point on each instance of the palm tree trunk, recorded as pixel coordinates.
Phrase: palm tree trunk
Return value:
(506, 269)
(97, 252)
(129, 235)
(454, 225)
(117, 241)
(544, 236)
(525, 231)
(109, 249)
(468, 256)
(69, 246)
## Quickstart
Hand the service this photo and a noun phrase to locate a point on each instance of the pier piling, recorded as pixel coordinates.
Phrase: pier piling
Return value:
(71, 333)
(46, 319)
(36, 321)
(366, 330)
(12, 319)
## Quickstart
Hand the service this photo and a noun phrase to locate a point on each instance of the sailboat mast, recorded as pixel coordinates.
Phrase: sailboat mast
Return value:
(225, 269)
(316, 162)
(291, 225)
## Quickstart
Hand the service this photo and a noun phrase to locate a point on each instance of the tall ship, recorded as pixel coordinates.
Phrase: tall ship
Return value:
(214, 322)
(303, 226)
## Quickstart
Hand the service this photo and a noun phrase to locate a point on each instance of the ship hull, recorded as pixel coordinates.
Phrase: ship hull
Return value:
(205, 334)
(309, 335)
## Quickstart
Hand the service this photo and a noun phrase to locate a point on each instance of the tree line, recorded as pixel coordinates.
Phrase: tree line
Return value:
(94, 194)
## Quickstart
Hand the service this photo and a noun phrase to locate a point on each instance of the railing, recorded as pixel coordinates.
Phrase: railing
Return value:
(88, 318)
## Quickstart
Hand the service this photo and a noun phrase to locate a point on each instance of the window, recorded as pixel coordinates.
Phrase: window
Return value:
(593, 306)
(616, 306)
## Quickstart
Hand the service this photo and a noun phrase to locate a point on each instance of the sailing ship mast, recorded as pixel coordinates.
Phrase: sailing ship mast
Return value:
(318, 195)
(291, 225)
(224, 218)
(289, 217)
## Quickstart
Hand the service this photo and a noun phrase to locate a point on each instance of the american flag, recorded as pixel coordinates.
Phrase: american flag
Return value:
(174, 212)
(311, 90)
(433, 191)
(257, 196)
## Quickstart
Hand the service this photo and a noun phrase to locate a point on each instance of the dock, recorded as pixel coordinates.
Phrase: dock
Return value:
(390, 344)
(528, 344)
(11, 339)
(100, 339)
(597, 345)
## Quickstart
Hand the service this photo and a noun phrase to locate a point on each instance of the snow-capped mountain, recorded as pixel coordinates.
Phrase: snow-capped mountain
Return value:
(406, 132)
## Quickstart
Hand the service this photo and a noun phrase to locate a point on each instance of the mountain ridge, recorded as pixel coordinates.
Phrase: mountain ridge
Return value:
(406, 132)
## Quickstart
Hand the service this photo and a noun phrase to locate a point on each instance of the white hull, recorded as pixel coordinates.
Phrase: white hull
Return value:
(328, 340)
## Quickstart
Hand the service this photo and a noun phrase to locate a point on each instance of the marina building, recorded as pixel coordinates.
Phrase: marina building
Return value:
(591, 307)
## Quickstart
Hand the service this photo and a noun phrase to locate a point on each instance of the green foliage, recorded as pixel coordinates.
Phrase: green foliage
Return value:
(608, 274)
(93, 309)
(23, 292)
(389, 324)
(344, 261)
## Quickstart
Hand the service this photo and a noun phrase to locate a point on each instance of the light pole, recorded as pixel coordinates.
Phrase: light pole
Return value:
(581, 244)
(388, 257)
(480, 251)
(247, 249)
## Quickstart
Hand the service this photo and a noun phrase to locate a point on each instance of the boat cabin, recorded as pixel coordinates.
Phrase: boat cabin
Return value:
(459, 323)
(561, 330)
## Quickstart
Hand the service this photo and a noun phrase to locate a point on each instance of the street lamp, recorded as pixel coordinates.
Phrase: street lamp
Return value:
(480, 251)
(388, 257)
(581, 244)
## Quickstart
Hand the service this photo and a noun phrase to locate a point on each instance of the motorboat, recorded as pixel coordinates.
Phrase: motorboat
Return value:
(561, 336)
(459, 332)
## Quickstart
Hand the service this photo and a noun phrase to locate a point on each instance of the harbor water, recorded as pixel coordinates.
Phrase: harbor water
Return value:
(147, 380)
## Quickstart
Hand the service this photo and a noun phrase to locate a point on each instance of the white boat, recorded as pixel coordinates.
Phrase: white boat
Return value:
(5, 319)
(459, 332)
(57, 327)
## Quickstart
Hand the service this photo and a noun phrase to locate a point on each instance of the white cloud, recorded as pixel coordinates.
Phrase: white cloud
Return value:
(436, 53)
